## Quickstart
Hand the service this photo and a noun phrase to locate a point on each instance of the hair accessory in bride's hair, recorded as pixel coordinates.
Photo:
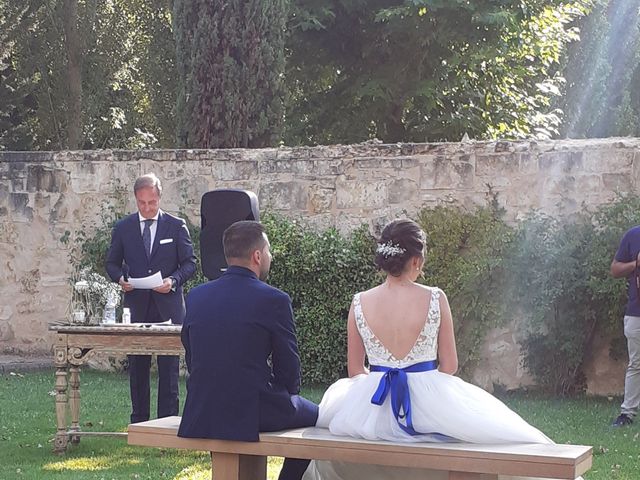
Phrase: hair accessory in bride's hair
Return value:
(390, 249)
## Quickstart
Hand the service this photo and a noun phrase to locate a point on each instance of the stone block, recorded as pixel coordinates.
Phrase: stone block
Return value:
(95, 156)
(41, 178)
(8, 233)
(182, 192)
(559, 185)
(443, 173)
(357, 194)
(6, 332)
(293, 153)
(6, 312)
(18, 184)
(30, 282)
(14, 171)
(561, 162)
(497, 164)
(408, 149)
(618, 182)
(608, 161)
(304, 167)
(28, 157)
(19, 205)
(4, 194)
(284, 195)
(402, 190)
(378, 163)
(231, 170)
(328, 152)
(329, 166)
(320, 199)
(587, 184)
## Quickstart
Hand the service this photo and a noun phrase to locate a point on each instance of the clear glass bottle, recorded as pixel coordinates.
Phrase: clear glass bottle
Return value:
(109, 315)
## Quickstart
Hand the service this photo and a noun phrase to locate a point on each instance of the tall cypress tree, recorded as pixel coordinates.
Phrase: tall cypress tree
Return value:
(230, 57)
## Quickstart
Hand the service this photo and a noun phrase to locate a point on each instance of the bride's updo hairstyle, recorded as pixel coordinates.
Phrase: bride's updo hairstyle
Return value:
(399, 242)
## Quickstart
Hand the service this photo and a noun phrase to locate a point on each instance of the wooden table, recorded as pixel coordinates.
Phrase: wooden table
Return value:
(74, 345)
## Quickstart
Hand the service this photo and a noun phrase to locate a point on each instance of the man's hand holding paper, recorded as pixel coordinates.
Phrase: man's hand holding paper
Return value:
(147, 283)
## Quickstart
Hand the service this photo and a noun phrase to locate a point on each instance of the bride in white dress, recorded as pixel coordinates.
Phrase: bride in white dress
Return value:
(408, 393)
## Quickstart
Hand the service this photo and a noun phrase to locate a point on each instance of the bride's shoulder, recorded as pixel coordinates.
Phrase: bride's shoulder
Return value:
(433, 290)
(367, 293)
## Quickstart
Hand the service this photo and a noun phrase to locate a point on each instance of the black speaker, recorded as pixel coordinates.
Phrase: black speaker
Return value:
(218, 210)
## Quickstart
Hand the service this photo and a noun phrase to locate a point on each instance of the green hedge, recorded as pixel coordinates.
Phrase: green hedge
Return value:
(321, 272)
(551, 273)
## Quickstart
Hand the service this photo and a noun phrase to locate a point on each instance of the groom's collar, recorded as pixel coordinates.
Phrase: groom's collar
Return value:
(238, 270)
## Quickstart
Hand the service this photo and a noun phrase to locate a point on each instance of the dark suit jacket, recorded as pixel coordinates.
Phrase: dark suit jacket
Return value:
(171, 254)
(233, 326)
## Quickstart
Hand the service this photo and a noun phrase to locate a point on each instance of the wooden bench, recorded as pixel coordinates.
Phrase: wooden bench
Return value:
(232, 460)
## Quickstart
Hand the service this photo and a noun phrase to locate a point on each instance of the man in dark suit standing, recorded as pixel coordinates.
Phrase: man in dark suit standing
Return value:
(142, 244)
(242, 352)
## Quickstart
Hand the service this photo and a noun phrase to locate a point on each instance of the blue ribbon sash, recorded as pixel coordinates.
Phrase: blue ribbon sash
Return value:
(394, 381)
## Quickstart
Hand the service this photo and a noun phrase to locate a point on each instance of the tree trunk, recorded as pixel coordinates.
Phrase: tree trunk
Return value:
(395, 130)
(74, 73)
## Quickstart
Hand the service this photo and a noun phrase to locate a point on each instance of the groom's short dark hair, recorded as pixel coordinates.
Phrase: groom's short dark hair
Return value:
(241, 239)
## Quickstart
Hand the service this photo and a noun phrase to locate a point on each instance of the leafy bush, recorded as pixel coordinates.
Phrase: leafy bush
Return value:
(465, 256)
(321, 272)
(559, 279)
(549, 275)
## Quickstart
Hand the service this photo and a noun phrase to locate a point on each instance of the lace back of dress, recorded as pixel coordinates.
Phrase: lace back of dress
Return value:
(424, 349)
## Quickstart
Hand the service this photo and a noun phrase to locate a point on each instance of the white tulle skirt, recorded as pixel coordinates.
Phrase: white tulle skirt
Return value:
(442, 406)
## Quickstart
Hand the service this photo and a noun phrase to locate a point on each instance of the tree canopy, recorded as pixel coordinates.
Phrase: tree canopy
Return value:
(166, 73)
(93, 73)
(426, 70)
(603, 73)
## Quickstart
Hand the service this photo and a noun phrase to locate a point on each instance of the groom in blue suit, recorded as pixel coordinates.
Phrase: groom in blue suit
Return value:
(144, 243)
(242, 352)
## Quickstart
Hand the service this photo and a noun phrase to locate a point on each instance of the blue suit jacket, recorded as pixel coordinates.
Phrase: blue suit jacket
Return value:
(233, 326)
(171, 254)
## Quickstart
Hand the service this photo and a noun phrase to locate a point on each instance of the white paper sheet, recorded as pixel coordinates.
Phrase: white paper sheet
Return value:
(147, 283)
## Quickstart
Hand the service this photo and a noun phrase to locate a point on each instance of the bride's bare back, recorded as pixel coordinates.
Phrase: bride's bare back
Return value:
(396, 314)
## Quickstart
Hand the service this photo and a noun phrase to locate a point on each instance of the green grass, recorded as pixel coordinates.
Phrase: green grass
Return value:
(28, 425)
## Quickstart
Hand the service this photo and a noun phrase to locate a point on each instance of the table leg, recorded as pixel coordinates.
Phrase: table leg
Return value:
(74, 402)
(232, 466)
(61, 439)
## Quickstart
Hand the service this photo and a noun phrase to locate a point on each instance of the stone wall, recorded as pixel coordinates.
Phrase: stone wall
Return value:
(45, 194)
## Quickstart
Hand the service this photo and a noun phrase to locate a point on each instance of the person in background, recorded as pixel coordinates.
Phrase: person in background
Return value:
(142, 244)
(625, 265)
